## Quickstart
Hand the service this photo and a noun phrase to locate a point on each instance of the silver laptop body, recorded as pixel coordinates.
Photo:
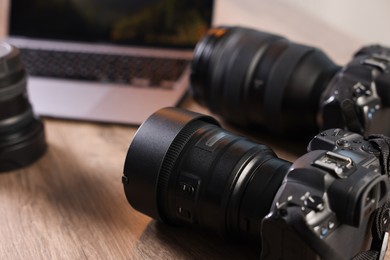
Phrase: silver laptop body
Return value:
(128, 102)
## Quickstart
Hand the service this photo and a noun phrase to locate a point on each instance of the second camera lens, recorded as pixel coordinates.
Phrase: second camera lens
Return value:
(22, 138)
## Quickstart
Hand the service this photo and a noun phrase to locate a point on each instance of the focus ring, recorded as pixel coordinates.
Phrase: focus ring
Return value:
(13, 90)
(169, 161)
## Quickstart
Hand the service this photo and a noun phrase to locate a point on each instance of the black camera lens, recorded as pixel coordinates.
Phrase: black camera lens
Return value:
(252, 77)
(182, 168)
(22, 138)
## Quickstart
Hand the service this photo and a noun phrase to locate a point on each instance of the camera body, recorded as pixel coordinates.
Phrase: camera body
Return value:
(358, 96)
(331, 203)
(325, 206)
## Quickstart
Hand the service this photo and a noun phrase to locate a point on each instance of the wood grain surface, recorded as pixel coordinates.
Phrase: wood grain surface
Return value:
(70, 205)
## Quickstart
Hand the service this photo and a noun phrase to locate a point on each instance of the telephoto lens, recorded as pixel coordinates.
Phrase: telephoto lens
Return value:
(197, 173)
(22, 137)
(251, 77)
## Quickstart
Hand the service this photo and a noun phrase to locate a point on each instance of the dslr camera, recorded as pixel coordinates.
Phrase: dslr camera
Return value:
(331, 203)
(256, 78)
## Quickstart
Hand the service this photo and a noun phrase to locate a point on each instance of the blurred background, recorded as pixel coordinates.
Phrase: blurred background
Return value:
(352, 22)
(348, 24)
(365, 20)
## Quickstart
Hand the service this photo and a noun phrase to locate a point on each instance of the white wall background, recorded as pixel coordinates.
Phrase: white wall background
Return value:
(368, 21)
(339, 27)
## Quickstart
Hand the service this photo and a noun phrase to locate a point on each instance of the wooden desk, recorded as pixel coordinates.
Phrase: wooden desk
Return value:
(70, 204)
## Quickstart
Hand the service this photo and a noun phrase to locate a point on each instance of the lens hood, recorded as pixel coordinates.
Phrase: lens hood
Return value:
(145, 172)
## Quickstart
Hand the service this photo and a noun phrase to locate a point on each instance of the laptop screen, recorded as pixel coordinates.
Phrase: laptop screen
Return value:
(167, 23)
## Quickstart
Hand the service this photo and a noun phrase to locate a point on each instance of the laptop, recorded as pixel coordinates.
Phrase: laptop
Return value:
(115, 61)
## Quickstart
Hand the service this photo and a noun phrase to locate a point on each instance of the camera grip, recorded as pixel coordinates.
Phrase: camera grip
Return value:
(280, 239)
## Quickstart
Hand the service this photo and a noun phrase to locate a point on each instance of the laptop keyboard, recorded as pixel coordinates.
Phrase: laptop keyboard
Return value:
(135, 70)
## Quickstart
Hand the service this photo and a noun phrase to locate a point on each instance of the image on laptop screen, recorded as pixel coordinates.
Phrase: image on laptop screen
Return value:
(107, 60)
(178, 23)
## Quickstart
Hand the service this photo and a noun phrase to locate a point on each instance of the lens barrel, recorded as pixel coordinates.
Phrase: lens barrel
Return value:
(22, 138)
(182, 168)
(251, 77)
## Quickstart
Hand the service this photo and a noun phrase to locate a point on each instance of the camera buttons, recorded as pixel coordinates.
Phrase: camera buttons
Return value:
(370, 149)
(343, 143)
(323, 230)
(184, 213)
(313, 202)
(186, 189)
